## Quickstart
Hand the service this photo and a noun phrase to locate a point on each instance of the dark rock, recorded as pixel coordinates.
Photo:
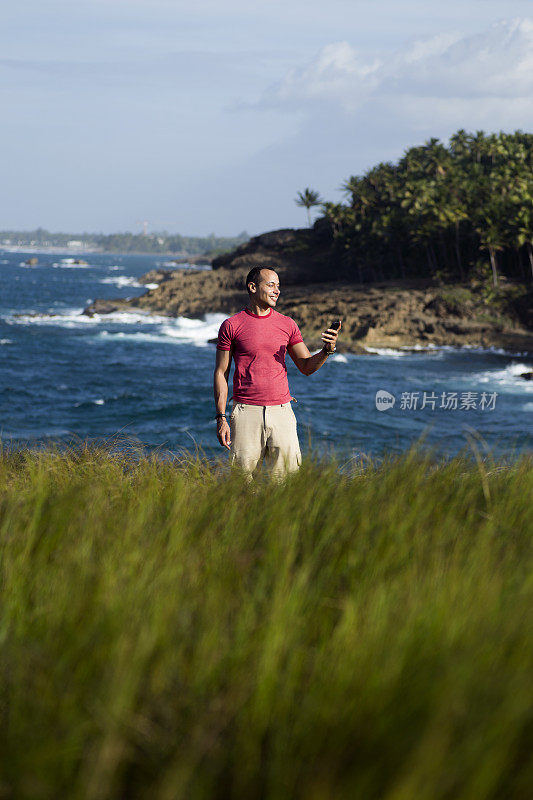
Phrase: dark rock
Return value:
(273, 240)
(109, 307)
(297, 255)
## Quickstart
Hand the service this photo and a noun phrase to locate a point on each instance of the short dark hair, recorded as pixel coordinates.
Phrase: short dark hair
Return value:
(253, 276)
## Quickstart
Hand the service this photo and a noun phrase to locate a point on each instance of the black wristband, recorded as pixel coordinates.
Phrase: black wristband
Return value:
(219, 415)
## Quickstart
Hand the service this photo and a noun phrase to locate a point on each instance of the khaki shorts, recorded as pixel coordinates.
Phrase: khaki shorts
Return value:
(267, 432)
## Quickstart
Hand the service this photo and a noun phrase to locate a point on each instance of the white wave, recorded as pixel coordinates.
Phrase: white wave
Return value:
(508, 376)
(139, 336)
(430, 348)
(339, 357)
(478, 348)
(115, 267)
(99, 402)
(122, 280)
(194, 329)
(527, 407)
(70, 319)
(137, 317)
(473, 348)
(6, 341)
(180, 330)
(518, 369)
(151, 285)
(403, 350)
(74, 317)
(161, 328)
(386, 351)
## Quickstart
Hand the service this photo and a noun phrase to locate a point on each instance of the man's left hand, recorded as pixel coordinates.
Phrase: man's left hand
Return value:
(329, 337)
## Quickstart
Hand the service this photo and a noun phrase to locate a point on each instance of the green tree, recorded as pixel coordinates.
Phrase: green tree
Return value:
(438, 206)
(307, 199)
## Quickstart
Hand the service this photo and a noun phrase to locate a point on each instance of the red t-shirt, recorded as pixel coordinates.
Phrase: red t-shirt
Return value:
(259, 345)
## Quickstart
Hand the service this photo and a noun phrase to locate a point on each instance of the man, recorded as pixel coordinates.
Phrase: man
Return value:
(262, 423)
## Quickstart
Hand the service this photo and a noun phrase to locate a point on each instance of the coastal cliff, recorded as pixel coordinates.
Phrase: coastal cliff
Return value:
(401, 313)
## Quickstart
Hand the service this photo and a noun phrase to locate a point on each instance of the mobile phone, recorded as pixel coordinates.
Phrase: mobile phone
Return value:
(335, 325)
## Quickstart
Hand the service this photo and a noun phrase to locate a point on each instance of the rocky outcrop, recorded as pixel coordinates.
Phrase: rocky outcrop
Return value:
(298, 255)
(403, 313)
(183, 293)
(391, 314)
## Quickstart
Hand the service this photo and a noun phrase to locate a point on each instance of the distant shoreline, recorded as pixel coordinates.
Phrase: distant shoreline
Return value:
(126, 242)
(75, 251)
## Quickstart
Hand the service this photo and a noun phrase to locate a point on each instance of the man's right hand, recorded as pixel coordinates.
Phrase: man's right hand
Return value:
(223, 432)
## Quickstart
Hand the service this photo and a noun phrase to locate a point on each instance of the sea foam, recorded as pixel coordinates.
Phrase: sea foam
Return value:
(122, 280)
(508, 376)
(160, 328)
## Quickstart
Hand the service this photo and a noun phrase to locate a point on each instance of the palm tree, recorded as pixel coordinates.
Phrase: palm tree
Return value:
(459, 145)
(335, 214)
(351, 189)
(491, 218)
(523, 224)
(307, 199)
(440, 203)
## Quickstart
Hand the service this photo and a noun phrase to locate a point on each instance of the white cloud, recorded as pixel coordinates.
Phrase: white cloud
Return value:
(337, 75)
(497, 63)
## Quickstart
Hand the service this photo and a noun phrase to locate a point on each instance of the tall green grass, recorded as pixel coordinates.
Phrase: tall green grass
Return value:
(168, 631)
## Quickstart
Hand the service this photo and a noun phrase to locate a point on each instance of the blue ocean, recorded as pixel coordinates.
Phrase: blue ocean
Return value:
(66, 377)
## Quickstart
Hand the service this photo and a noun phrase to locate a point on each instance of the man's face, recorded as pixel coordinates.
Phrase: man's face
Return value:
(267, 288)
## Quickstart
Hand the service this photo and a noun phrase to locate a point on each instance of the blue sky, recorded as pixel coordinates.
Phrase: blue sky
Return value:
(210, 118)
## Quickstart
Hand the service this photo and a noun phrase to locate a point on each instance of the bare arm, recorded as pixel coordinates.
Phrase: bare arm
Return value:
(220, 386)
(221, 377)
(306, 363)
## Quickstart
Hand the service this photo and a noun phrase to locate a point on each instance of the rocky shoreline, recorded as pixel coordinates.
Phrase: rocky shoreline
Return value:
(395, 314)
(381, 315)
